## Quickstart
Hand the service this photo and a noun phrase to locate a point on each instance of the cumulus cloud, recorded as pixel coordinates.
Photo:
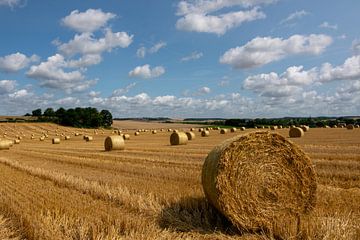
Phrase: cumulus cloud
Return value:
(85, 61)
(68, 101)
(263, 50)
(86, 44)
(94, 94)
(7, 86)
(15, 62)
(204, 90)
(146, 72)
(20, 94)
(328, 25)
(218, 24)
(88, 21)
(293, 16)
(193, 56)
(142, 51)
(349, 70)
(51, 74)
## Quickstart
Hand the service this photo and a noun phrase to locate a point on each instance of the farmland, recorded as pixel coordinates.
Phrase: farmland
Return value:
(151, 190)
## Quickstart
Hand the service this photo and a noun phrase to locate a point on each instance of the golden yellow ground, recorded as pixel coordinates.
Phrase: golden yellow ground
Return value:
(151, 190)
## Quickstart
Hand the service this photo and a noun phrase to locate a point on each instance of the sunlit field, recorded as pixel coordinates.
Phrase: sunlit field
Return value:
(152, 190)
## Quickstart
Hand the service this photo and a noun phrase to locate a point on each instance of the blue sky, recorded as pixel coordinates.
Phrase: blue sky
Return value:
(189, 58)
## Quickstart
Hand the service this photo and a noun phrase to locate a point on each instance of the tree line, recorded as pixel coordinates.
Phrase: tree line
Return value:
(75, 117)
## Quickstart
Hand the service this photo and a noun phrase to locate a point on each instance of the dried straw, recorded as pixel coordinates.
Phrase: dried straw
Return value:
(178, 138)
(56, 141)
(296, 132)
(261, 182)
(190, 135)
(115, 142)
(223, 131)
(205, 133)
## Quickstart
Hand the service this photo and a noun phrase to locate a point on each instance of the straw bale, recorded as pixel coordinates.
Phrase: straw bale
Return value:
(205, 133)
(296, 132)
(190, 135)
(178, 138)
(115, 142)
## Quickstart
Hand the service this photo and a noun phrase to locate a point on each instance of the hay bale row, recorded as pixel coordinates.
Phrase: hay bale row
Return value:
(260, 182)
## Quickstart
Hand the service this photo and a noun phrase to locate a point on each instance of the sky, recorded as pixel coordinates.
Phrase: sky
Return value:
(182, 59)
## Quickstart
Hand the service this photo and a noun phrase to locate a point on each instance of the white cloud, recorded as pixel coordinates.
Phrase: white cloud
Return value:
(85, 61)
(208, 6)
(88, 21)
(157, 47)
(15, 62)
(349, 70)
(7, 86)
(146, 72)
(122, 91)
(193, 56)
(219, 24)
(204, 90)
(356, 47)
(263, 50)
(20, 94)
(94, 94)
(11, 3)
(294, 15)
(68, 101)
(141, 52)
(86, 44)
(328, 25)
(51, 74)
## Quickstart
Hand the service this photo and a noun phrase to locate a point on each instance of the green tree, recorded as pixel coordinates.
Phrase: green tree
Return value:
(106, 117)
(37, 112)
(49, 112)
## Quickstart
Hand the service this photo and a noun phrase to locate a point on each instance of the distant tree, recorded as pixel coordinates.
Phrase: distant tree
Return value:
(27, 115)
(49, 112)
(37, 112)
(106, 117)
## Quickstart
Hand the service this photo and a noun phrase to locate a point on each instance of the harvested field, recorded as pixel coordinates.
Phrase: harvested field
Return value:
(77, 190)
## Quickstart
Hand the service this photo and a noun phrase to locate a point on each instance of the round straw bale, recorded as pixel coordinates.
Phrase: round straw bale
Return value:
(169, 130)
(42, 138)
(296, 132)
(261, 182)
(190, 135)
(233, 129)
(273, 127)
(223, 131)
(178, 138)
(114, 143)
(89, 138)
(356, 126)
(192, 129)
(126, 136)
(5, 145)
(56, 141)
(16, 141)
(201, 129)
(154, 131)
(305, 128)
(175, 131)
(77, 134)
(137, 133)
(350, 126)
(19, 137)
(242, 128)
(67, 137)
(205, 133)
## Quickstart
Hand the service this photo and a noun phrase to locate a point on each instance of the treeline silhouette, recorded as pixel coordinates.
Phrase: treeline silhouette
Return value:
(75, 117)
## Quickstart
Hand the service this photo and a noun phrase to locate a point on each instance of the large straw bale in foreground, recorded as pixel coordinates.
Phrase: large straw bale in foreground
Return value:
(114, 143)
(178, 138)
(260, 181)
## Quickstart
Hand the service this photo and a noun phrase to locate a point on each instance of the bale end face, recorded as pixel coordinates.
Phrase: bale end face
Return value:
(115, 142)
(178, 138)
(260, 181)
(296, 132)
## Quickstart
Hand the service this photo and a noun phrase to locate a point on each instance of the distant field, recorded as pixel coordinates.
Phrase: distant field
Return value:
(131, 124)
(151, 190)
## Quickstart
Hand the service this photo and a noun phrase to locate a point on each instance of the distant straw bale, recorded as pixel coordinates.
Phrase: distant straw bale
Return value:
(190, 135)
(89, 138)
(126, 136)
(305, 128)
(261, 182)
(114, 143)
(273, 127)
(5, 145)
(350, 126)
(178, 138)
(242, 128)
(233, 129)
(223, 131)
(137, 133)
(153, 131)
(56, 141)
(205, 133)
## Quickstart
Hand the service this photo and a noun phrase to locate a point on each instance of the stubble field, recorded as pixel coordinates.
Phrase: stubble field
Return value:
(151, 190)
